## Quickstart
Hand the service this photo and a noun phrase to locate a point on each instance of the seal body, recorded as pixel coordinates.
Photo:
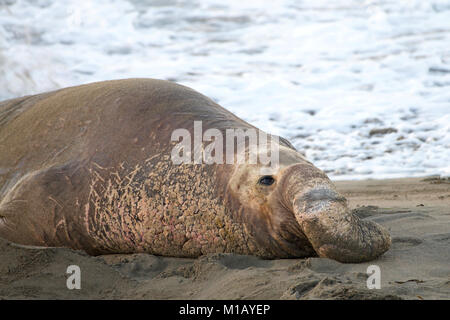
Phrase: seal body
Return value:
(90, 168)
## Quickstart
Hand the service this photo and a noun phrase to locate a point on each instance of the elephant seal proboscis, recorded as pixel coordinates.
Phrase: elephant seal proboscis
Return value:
(89, 167)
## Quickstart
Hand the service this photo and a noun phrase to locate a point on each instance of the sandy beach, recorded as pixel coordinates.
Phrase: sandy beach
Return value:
(415, 210)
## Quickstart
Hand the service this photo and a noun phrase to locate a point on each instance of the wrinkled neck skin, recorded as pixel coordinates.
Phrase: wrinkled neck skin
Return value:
(301, 214)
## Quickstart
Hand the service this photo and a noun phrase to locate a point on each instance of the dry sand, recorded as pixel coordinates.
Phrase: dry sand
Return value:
(416, 211)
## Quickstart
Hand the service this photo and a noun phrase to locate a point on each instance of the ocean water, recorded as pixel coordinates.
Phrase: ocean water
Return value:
(362, 88)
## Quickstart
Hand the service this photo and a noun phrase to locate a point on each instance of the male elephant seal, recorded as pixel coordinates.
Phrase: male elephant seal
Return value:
(90, 168)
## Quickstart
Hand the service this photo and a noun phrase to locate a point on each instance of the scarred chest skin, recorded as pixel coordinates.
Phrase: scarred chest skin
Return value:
(164, 209)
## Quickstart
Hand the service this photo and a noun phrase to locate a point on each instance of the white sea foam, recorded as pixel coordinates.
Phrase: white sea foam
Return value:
(324, 74)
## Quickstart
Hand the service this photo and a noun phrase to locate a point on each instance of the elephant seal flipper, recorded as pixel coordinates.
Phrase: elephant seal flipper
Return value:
(39, 200)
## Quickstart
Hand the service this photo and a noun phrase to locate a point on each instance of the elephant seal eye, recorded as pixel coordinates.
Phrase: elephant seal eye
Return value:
(266, 180)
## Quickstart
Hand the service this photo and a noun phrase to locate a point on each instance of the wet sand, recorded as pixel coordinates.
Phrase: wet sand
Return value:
(415, 210)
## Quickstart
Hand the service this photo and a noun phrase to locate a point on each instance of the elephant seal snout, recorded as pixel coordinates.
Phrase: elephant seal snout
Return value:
(334, 231)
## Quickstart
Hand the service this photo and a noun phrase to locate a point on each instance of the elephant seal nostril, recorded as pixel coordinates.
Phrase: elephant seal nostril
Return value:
(317, 199)
(322, 194)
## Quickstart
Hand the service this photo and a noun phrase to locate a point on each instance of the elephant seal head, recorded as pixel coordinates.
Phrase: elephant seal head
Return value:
(294, 208)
